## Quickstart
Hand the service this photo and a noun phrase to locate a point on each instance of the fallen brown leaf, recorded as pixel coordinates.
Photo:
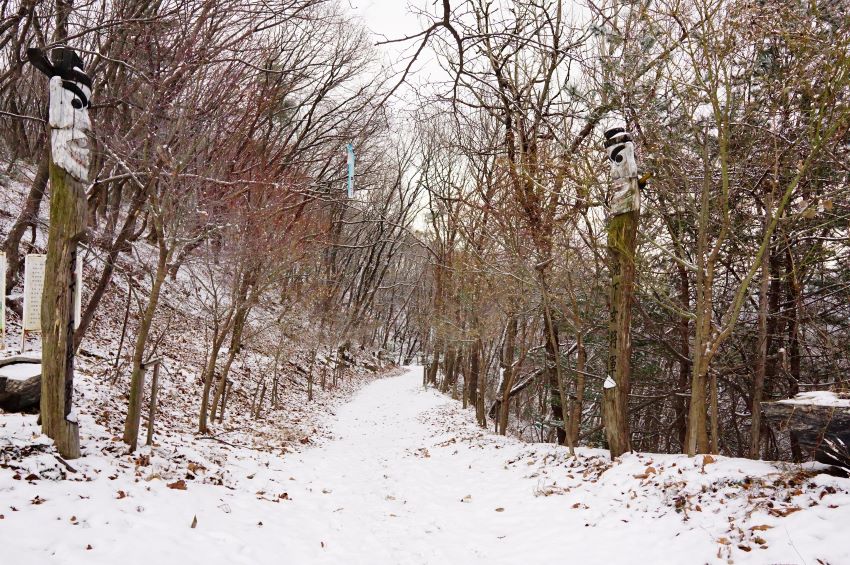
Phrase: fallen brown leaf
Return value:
(783, 512)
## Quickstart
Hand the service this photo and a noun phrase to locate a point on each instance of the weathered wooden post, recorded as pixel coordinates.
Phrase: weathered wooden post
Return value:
(152, 409)
(622, 235)
(68, 119)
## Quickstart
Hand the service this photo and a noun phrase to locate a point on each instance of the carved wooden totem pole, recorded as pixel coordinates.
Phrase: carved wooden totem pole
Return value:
(68, 119)
(622, 232)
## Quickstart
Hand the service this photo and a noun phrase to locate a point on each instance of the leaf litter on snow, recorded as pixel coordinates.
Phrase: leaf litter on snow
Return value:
(741, 504)
(34, 479)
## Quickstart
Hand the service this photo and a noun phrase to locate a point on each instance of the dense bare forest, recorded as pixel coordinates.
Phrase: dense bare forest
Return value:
(621, 224)
(740, 118)
(217, 140)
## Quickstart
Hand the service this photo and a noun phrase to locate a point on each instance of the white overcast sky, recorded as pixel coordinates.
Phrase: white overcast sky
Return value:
(388, 17)
(393, 19)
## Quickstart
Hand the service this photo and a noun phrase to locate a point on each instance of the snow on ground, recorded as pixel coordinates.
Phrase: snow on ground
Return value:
(20, 371)
(405, 477)
(820, 398)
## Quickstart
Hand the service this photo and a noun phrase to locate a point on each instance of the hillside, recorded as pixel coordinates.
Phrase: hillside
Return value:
(403, 475)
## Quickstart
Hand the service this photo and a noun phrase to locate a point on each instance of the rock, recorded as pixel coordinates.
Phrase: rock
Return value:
(821, 424)
(20, 384)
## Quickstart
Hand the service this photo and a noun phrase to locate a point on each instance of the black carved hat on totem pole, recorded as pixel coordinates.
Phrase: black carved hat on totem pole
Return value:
(67, 65)
(616, 136)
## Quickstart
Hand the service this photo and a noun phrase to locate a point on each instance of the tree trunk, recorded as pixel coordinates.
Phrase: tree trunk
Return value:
(137, 379)
(254, 399)
(481, 382)
(340, 362)
(794, 357)
(433, 367)
(578, 401)
(458, 369)
(235, 345)
(262, 398)
(276, 374)
(679, 403)
(152, 409)
(219, 334)
(26, 219)
(109, 267)
(697, 437)
(228, 388)
(507, 363)
(450, 357)
(714, 415)
(310, 375)
(466, 379)
(474, 370)
(757, 392)
(550, 331)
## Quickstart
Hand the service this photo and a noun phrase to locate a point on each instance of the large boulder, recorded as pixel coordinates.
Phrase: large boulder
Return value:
(20, 384)
(820, 420)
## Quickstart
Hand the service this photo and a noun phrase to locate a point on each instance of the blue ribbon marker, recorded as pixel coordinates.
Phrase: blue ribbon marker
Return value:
(350, 149)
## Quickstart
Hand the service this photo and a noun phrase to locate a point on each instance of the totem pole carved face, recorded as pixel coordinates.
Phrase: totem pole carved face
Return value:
(68, 117)
(621, 154)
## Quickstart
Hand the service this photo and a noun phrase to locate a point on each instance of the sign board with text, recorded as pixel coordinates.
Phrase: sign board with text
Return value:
(2, 300)
(34, 273)
(33, 290)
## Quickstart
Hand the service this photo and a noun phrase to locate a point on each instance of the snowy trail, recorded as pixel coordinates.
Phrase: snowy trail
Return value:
(388, 503)
(409, 479)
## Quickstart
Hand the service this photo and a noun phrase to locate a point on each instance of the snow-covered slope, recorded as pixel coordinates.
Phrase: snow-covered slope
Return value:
(278, 341)
(405, 476)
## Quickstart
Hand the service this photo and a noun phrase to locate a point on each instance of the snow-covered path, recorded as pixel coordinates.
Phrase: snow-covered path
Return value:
(409, 479)
(394, 488)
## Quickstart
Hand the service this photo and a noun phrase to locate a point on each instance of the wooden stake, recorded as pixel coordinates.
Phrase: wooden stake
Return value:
(152, 409)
